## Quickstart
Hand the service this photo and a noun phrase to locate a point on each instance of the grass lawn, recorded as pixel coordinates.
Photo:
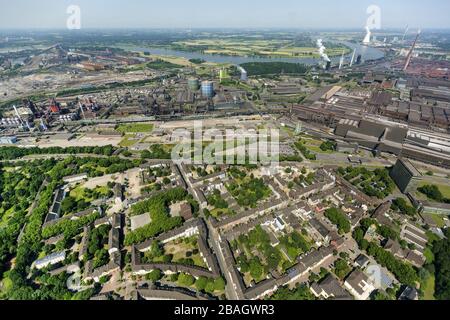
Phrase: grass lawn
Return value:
(314, 146)
(128, 141)
(179, 248)
(79, 193)
(219, 212)
(135, 128)
(445, 189)
(429, 289)
(439, 220)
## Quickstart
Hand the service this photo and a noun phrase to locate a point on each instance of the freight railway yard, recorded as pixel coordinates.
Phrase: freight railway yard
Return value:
(362, 180)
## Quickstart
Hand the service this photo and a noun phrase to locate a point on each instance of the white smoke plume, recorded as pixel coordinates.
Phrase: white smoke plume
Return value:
(322, 50)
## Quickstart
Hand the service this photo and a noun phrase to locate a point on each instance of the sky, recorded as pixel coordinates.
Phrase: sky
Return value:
(301, 14)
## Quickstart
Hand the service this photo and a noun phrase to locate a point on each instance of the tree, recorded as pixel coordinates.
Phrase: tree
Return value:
(433, 192)
(68, 204)
(201, 283)
(302, 292)
(341, 268)
(256, 268)
(156, 250)
(101, 258)
(219, 284)
(328, 146)
(441, 250)
(155, 275)
(210, 288)
(339, 219)
(400, 204)
(185, 279)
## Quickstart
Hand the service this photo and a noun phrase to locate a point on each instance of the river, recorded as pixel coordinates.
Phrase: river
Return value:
(367, 53)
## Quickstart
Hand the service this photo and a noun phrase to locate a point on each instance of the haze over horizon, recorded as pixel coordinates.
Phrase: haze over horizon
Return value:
(320, 14)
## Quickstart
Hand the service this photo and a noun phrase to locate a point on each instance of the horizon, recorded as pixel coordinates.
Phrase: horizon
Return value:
(285, 14)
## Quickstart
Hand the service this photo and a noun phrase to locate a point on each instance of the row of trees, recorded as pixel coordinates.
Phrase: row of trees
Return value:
(202, 284)
(18, 188)
(10, 153)
(404, 272)
(301, 292)
(441, 250)
(156, 151)
(69, 228)
(433, 193)
(300, 145)
(328, 146)
(402, 206)
(266, 68)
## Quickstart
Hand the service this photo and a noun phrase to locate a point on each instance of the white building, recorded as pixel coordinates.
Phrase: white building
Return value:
(359, 285)
(51, 259)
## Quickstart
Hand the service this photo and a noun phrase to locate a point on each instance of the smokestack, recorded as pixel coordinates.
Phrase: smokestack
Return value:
(406, 32)
(353, 58)
(82, 111)
(411, 51)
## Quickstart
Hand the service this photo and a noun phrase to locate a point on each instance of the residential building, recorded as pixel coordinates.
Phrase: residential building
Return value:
(330, 288)
(51, 259)
(359, 285)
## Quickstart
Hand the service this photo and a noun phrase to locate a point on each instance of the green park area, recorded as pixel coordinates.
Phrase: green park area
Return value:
(220, 206)
(433, 192)
(428, 290)
(89, 195)
(376, 183)
(246, 189)
(158, 209)
(180, 251)
(163, 65)
(135, 128)
(243, 47)
(129, 140)
(258, 256)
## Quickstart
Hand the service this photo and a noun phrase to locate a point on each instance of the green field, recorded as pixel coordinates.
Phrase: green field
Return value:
(429, 289)
(129, 140)
(135, 128)
(80, 193)
(282, 48)
(445, 189)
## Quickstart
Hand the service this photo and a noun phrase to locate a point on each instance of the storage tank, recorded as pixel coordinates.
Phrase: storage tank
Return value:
(207, 89)
(193, 84)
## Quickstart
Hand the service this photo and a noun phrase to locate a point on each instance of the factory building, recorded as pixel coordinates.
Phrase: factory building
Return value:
(404, 174)
(8, 140)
